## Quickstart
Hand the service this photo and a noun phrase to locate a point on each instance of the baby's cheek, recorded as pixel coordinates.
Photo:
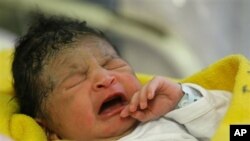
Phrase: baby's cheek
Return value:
(134, 85)
(85, 117)
(89, 120)
(84, 123)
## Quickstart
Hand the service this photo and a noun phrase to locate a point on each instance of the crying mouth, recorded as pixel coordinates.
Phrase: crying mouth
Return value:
(111, 103)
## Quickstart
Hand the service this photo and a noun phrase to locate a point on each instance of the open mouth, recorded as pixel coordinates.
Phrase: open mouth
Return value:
(112, 105)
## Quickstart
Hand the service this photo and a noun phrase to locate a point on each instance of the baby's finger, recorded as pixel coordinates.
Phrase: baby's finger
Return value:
(152, 88)
(139, 115)
(125, 112)
(134, 102)
(143, 97)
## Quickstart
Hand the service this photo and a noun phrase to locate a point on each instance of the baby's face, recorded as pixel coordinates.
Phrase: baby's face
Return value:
(92, 85)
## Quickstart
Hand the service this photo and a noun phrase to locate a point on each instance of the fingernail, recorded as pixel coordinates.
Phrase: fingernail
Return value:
(150, 96)
(123, 114)
(143, 105)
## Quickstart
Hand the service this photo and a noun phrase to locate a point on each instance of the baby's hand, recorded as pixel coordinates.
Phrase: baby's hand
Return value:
(155, 99)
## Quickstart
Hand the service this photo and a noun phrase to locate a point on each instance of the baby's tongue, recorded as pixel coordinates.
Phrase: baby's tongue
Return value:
(111, 107)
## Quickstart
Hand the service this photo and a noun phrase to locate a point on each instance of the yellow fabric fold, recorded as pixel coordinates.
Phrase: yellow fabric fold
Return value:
(25, 128)
(231, 73)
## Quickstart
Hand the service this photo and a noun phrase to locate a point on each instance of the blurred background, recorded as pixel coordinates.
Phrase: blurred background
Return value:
(174, 38)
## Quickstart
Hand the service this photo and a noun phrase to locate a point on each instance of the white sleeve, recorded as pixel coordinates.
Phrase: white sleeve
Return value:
(202, 117)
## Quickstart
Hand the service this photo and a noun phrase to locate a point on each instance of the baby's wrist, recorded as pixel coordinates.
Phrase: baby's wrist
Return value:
(190, 95)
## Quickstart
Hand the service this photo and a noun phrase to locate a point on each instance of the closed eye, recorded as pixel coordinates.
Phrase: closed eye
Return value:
(74, 84)
(115, 64)
(74, 81)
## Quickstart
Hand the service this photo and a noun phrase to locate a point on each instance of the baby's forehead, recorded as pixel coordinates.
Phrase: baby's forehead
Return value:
(83, 49)
(87, 45)
(96, 45)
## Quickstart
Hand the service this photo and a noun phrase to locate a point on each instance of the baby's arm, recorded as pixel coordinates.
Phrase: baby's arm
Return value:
(161, 97)
(201, 118)
(154, 100)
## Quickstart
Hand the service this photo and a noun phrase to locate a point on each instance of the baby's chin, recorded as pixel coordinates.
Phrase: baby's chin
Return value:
(119, 132)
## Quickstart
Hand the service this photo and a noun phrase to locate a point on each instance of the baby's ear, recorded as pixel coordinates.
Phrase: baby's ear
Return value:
(49, 133)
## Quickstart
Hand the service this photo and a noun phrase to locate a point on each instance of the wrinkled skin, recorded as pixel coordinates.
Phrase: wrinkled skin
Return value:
(85, 76)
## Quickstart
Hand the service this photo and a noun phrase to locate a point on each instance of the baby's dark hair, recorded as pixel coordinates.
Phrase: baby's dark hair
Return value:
(45, 37)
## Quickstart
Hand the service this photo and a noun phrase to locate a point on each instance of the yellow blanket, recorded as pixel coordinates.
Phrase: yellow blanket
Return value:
(17, 126)
(232, 73)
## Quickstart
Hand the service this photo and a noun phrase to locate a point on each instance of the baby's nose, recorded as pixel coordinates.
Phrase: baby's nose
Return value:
(105, 82)
(103, 79)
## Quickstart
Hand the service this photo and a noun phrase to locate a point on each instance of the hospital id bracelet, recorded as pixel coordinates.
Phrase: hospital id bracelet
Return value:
(190, 95)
